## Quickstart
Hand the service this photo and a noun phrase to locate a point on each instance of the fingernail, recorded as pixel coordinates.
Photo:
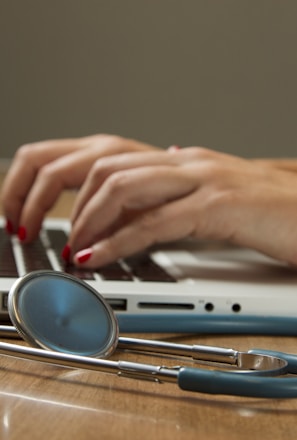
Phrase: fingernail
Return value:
(9, 227)
(22, 233)
(65, 254)
(84, 255)
(173, 148)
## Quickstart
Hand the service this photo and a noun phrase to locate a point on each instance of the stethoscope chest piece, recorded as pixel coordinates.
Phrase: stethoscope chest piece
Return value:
(53, 311)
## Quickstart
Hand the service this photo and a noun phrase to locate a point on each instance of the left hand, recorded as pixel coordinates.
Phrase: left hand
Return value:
(132, 201)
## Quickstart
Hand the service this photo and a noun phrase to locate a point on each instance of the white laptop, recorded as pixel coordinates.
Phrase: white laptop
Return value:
(189, 286)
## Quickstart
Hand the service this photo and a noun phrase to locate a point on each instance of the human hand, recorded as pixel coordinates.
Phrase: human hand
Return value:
(132, 201)
(40, 171)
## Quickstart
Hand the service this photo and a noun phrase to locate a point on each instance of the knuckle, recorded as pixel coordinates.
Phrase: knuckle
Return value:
(25, 152)
(201, 153)
(108, 139)
(47, 173)
(214, 170)
(101, 167)
(111, 137)
(117, 183)
(214, 173)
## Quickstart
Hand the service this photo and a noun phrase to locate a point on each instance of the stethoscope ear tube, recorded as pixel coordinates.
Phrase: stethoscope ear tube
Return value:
(220, 382)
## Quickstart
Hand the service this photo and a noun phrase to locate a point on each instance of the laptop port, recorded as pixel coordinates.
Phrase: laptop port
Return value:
(4, 300)
(117, 304)
(166, 306)
(236, 308)
(209, 307)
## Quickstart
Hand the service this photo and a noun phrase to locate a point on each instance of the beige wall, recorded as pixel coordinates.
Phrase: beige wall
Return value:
(210, 72)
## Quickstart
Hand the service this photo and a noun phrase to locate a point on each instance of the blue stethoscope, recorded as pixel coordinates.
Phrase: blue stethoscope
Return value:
(71, 325)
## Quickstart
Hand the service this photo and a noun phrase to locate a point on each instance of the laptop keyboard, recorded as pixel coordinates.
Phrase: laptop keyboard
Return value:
(7, 262)
(35, 257)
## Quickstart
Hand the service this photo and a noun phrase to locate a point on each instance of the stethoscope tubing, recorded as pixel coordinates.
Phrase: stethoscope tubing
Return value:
(220, 382)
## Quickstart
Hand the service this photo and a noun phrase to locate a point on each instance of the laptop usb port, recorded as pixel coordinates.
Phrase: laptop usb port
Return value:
(117, 304)
(4, 300)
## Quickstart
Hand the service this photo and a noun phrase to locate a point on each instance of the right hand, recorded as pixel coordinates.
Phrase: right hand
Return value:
(41, 171)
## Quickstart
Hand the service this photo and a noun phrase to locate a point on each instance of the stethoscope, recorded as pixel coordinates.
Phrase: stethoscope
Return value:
(71, 325)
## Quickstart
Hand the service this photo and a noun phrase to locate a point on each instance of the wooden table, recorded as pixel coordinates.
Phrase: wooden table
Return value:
(39, 401)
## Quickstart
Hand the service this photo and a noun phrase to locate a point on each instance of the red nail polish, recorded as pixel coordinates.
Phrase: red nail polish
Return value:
(84, 255)
(9, 227)
(22, 233)
(65, 254)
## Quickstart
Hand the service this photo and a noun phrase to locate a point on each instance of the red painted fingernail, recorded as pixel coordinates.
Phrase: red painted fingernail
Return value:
(84, 255)
(22, 233)
(9, 227)
(65, 254)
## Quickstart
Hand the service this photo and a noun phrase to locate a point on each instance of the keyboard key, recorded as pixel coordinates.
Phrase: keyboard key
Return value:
(114, 272)
(140, 266)
(83, 274)
(35, 257)
(145, 269)
(8, 266)
(58, 239)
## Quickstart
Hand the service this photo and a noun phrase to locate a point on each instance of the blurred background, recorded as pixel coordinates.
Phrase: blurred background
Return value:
(218, 73)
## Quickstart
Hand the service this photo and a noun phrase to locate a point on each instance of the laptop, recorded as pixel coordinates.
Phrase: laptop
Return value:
(186, 286)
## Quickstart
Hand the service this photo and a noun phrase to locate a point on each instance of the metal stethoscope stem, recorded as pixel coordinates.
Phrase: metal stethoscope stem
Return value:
(190, 379)
(245, 362)
(121, 368)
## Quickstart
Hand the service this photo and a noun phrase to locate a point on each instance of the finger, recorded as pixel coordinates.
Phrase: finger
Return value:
(66, 172)
(28, 160)
(169, 222)
(104, 167)
(137, 189)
